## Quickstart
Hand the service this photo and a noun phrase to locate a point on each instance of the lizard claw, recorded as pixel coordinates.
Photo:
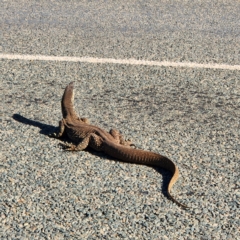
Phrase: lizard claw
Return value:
(69, 149)
(133, 145)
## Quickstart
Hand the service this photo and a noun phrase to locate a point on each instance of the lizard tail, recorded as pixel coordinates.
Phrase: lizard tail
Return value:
(139, 156)
(171, 183)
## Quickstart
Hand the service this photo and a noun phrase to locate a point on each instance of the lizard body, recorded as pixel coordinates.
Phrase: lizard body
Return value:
(83, 134)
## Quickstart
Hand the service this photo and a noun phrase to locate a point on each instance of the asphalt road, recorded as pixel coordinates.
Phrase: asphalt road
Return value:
(190, 115)
(198, 31)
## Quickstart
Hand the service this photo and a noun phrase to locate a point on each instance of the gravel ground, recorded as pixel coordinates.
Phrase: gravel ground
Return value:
(191, 116)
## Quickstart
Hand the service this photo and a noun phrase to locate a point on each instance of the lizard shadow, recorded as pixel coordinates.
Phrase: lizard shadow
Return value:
(47, 129)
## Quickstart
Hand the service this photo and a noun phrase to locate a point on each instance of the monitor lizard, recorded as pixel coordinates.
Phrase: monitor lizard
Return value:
(83, 134)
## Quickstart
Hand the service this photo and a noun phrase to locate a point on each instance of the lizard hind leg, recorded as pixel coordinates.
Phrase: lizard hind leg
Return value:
(85, 120)
(92, 140)
(119, 138)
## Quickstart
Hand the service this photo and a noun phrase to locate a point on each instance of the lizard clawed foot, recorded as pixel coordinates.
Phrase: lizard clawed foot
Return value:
(53, 135)
(129, 143)
(67, 146)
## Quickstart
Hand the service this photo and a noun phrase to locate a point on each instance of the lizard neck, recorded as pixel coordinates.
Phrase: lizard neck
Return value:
(68, 111)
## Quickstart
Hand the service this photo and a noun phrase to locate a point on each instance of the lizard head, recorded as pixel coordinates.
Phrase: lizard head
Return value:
(67, 102)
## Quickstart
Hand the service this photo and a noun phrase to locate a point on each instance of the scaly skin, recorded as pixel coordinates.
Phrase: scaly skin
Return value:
(83, 134)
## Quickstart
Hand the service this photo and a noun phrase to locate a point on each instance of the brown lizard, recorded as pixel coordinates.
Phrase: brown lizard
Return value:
(112, 143)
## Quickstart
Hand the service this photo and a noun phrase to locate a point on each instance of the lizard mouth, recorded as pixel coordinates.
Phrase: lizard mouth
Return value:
(70, 86)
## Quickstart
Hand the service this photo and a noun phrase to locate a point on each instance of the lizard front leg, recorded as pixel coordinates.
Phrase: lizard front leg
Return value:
(61, 130)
